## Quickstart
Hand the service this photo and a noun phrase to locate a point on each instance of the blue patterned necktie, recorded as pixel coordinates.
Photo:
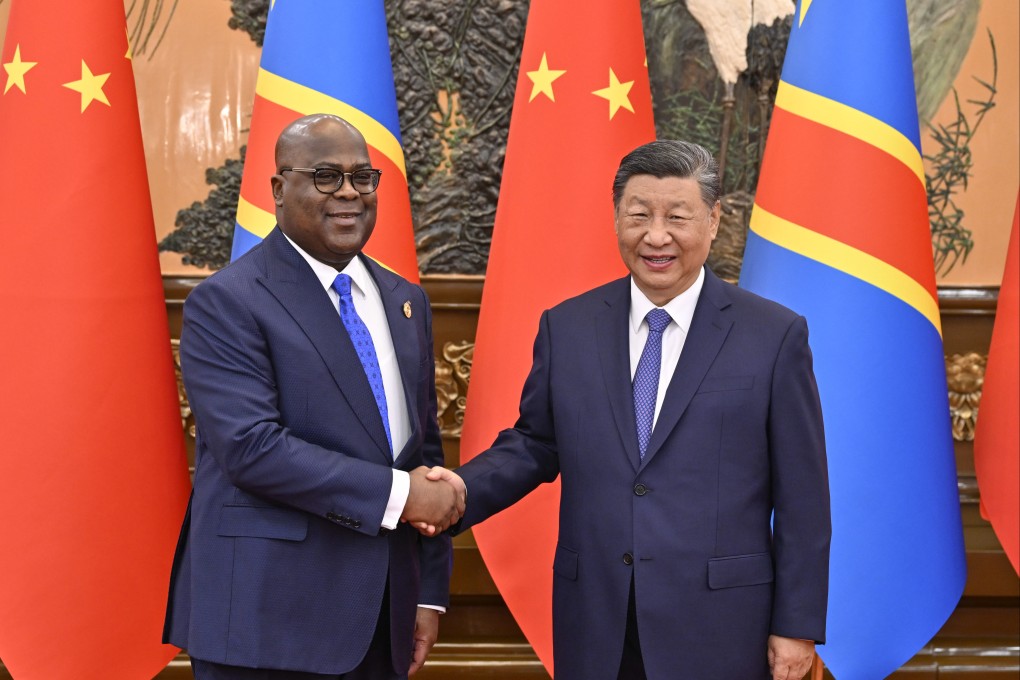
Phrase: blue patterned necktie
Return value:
(363, 344)
(646, 377)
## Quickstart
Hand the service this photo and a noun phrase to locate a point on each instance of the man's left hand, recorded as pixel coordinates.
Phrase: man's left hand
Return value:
(789, 658)
(426, 630)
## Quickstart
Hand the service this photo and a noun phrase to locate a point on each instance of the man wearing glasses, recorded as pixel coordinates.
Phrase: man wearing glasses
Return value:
(309, 369)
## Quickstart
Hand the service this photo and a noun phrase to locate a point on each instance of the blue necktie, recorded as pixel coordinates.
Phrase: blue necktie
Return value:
(363, 344)
(646, 377)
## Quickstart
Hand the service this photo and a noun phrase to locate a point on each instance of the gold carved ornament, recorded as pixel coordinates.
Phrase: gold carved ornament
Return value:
(965, 375)
(453, 372)
(187, 418)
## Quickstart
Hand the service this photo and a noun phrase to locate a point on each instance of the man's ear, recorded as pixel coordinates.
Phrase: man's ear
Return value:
(277, 182)
(715, 216)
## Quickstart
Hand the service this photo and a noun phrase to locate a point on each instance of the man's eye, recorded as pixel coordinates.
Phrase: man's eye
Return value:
(327, 175)
(362, 178)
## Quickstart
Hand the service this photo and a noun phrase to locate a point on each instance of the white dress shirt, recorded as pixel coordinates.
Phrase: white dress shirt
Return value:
(368, 304)
(681, 310)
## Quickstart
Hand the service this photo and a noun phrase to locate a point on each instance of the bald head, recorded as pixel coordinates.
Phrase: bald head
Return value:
(308, 128)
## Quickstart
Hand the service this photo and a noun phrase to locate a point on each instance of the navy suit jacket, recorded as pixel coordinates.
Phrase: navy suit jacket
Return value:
(281, 561)
(739, 436)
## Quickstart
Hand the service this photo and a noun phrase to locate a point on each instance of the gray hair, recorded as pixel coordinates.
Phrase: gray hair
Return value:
(670, 158)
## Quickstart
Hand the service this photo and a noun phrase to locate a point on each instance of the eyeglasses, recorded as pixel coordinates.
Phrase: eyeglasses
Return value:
(329, 180)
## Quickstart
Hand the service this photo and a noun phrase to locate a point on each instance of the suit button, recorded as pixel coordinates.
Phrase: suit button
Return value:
(640, 490)
(332, 517)
(628, 558)
(356, 524)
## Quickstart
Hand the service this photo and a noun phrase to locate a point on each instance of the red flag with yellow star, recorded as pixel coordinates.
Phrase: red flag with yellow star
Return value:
(582, 103)
(95, 478)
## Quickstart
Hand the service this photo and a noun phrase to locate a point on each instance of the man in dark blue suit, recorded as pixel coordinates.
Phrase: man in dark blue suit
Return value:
(682, 417)
(310, 372)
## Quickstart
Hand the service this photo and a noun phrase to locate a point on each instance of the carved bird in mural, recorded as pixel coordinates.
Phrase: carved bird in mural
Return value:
(941, 32)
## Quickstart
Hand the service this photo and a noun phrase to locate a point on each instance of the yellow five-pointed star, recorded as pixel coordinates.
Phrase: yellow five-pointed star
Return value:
(16, 71)
(616, 93)
(542, 80)
(90, 86)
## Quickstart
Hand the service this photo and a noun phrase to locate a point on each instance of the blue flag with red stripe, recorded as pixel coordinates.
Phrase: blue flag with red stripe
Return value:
(328, 57)
(839, 233)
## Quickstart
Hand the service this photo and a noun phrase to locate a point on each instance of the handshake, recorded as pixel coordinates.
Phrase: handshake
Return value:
(436, 500)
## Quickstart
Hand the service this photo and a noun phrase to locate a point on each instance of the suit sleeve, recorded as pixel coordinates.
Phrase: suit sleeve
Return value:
(231, 386)
(436, 553)
(522, 457)
(800, 488)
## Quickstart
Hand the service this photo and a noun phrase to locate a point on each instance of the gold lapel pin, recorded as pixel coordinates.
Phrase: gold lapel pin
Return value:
(407, 308)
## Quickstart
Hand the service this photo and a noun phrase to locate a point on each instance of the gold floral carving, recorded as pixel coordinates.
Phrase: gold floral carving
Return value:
(965, 374)
(187, 418)
(453, 372)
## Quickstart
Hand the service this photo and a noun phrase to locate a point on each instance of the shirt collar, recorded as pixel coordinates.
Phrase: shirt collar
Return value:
(356, 269)
(680, 308)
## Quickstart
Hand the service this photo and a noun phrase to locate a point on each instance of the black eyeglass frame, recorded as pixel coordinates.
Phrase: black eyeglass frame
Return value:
(376, 176)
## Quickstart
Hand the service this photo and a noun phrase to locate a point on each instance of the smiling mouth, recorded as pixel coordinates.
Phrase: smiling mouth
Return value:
(661, 259)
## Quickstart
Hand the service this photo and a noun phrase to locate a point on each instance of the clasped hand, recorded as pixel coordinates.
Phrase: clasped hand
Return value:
(436, 500)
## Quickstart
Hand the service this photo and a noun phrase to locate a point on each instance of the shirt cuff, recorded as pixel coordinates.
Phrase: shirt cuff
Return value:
(441, 610)
(399, 491)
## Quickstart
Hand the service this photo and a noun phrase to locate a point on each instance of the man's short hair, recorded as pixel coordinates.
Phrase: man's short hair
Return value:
(670, 158)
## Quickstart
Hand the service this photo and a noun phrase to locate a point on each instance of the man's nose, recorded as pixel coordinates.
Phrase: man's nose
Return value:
(346, 189)
(658, 233)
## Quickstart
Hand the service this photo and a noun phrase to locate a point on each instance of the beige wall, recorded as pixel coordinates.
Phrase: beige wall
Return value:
(990, 198)
(195, 98)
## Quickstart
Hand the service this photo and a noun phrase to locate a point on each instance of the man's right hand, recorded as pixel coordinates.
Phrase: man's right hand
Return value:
(432, 505)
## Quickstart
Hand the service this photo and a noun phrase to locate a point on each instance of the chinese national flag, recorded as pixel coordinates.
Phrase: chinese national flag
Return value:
(997, 441)
(582, 103)
(95, 478)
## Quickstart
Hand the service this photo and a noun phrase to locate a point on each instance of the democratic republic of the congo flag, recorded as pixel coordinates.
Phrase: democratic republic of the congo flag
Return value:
(328, 57)
(840, 234)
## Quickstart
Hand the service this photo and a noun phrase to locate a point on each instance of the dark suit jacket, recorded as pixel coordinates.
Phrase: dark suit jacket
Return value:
(281, 561)
(739, 436)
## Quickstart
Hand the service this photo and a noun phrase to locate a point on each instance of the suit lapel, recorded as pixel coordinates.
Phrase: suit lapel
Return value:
(395, 291)
(708, 331)
(291, 281)
(614, 355)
